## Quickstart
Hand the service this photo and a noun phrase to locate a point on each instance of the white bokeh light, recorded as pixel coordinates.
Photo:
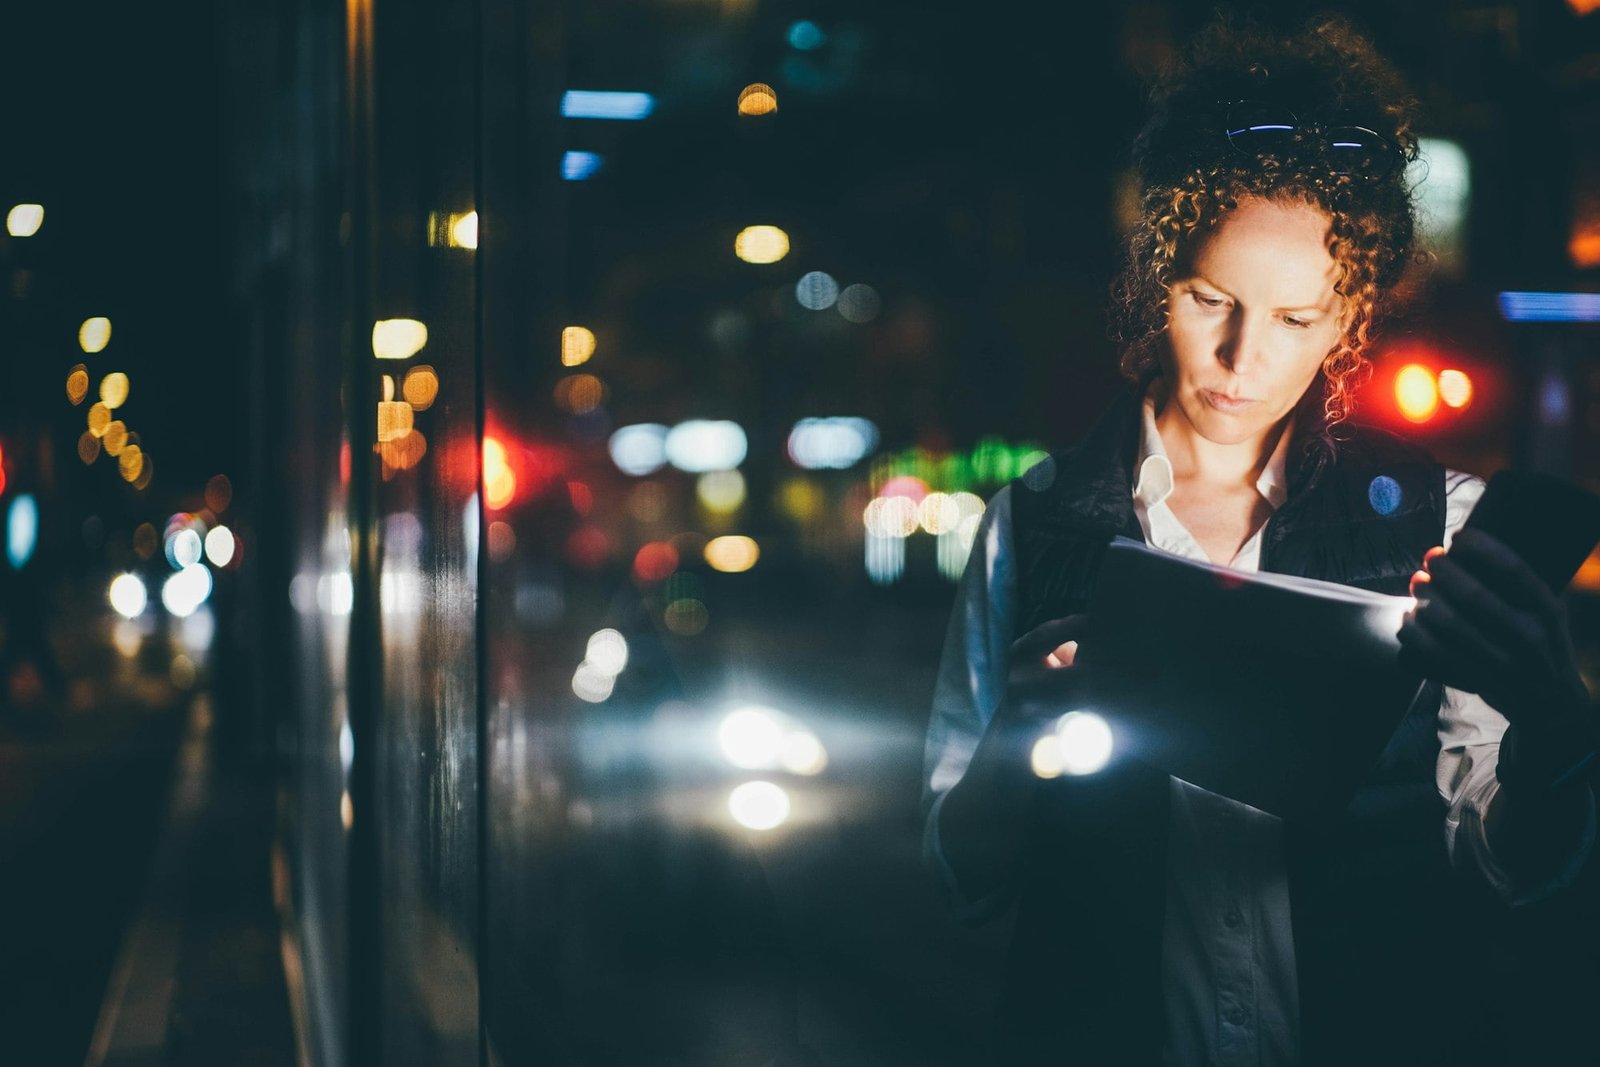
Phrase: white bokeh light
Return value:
(219, 546)
(759, 805)
(752, 738)
(607, 652)
(128, 595)
(1085, 742)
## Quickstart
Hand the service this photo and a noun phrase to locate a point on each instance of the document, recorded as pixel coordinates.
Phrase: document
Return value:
(1276, 691)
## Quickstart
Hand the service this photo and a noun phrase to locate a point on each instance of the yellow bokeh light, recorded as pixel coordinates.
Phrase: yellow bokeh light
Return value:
(732, 554)
(145, 540)
(131, 463)
(939, 513)
(721, 492)
(99, 419)
(115, 439)
(398, 338)
(24, 220)
(1047, 758)
(388, 387)
(577, 345)
(405, 451)
(1455, 388)
(1416, 391)
(580, 393)
(114, 390)
(78, 384)
(146, 473)
(757, 98)
(88, 447)
(420, 388)
(893, 516)
(464, 230)
(800, 499)
(761, 244)
(94, 334)
(394, 419)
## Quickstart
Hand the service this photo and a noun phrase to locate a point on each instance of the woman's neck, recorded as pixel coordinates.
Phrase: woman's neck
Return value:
(1196, 459)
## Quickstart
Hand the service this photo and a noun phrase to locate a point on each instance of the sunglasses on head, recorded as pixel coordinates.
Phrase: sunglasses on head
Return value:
(1254, 128)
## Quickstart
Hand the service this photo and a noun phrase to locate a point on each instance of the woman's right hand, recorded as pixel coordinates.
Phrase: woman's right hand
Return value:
(1044, 678)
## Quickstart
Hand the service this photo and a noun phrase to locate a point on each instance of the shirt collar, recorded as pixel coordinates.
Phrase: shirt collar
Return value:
(1153, 482)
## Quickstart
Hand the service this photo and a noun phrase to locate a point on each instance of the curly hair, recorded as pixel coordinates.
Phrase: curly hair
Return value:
(1190, 176)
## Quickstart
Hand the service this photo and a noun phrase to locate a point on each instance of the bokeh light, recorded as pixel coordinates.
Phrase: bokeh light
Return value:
(405, 451)
(859, 303)
(1085, 740)
(939, 513)
(759, 805)
(78, 384)
(114, 390)
(892, 517)
(761, 244)
(1416, 391)
(88, 447)
(732, 553)
(99, 418)
(639, 449)
(184, 548)
(128, 595)
(758, 98)
(831, 443)
(655, 562)
(720, 492)
(592, 684)
(94, 334)
(686, 617)
(394, 419)
(577, 345)
(803, 753)
(499, 482)
(24, 220)
(816, 290)
(146, 469)
(806, 36)
(502, 540)
(607, 651)
(219, 546)
(145, 540)
(398, 338)
(751, 738)
(115, 438)
(186, 590)
(701, 445)
(464, 230)
(22, 530)
(1455, 388)
(1046, 757)
(421, 387)
(579, 393)
(219, 493)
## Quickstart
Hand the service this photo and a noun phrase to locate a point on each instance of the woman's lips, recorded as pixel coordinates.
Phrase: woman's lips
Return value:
(1224, 403)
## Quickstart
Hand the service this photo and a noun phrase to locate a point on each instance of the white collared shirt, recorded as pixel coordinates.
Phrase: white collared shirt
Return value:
(1228, 963)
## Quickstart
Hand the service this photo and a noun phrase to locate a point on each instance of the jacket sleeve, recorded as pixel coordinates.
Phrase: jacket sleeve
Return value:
(970, 682)
(1469, 751)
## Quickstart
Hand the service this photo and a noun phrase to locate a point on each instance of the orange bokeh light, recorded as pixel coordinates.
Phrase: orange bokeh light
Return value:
(1455, 388)
(499, 481)
(1416, 391)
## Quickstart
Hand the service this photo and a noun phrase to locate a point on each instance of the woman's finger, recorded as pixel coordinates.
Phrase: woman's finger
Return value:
(1499, 568)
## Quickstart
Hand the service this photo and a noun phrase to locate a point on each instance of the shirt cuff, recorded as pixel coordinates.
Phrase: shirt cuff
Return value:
(967, 912)
(1512, 890)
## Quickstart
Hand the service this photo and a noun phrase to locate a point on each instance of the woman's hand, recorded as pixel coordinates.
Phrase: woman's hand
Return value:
(1485, 623)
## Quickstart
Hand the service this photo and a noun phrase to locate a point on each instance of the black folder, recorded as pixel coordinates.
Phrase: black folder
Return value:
(1276, 691)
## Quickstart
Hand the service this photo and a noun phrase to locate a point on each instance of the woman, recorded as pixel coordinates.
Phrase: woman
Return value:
(1157, 922)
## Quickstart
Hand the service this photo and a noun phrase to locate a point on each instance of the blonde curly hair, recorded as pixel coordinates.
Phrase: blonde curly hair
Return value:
(1190, 176)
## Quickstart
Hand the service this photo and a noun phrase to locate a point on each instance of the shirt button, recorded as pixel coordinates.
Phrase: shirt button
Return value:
(1234, 1016)
(1233, 916)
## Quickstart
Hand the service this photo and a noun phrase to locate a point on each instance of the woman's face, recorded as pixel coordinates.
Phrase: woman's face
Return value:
(1251, 322)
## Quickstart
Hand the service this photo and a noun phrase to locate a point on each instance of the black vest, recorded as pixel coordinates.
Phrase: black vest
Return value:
(1370, 892)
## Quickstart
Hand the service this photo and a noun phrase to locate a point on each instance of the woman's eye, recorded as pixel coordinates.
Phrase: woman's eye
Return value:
(1209, 301)
(1298, 324)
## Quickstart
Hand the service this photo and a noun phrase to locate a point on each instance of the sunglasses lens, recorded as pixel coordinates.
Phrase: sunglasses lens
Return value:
(1256, 127)
(1359, 151)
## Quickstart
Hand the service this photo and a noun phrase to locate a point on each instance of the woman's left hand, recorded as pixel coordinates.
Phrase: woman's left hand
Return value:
(1485, 623)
